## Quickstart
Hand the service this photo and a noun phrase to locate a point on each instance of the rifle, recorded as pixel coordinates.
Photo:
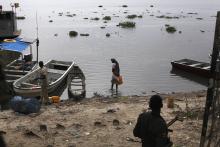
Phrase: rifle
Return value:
(176, 118)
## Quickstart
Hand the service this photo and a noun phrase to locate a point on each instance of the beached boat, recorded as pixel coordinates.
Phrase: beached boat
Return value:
(16, 52)
(196, 67)
(57, 73)
(76, 84)
(17, 69)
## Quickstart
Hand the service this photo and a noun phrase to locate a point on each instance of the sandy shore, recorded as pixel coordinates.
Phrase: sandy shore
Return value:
(101, 122)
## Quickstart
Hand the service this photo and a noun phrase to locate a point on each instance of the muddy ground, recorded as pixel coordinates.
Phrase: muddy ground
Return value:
(101, 122)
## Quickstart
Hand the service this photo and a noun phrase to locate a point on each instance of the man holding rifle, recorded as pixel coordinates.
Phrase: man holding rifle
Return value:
(151, 128)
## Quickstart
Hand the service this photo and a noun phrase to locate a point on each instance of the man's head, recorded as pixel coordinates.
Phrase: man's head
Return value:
(41, 64)
(155, 102)
(113, 60)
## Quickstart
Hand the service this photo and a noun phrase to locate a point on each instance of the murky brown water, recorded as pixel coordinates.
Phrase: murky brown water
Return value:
(144, 53)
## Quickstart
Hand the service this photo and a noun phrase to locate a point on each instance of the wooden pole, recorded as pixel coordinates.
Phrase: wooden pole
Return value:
(212, 80)
(37, 43)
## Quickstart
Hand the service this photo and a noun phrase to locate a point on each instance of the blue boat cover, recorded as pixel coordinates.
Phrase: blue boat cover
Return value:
(18, 45)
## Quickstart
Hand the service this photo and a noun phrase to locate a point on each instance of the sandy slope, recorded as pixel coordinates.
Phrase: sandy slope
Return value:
(91, 122)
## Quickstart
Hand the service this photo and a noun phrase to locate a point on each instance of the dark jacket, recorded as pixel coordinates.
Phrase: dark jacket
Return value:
(152, 130)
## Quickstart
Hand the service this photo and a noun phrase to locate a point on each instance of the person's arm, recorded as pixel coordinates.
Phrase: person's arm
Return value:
(137, 128)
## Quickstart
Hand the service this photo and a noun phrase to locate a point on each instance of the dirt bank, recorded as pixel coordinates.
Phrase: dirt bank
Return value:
(100, 122)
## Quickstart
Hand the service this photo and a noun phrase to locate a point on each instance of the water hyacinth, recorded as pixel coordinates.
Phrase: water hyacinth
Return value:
(127, 24)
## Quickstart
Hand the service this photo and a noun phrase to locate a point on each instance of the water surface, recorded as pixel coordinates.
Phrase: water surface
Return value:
(144, 53)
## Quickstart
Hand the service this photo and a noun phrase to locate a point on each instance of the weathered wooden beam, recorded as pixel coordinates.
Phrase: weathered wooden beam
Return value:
(212, 80)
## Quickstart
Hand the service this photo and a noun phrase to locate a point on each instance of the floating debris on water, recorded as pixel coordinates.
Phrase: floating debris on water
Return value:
(127, 24)
(20, 17)
(70, 15)
(168, 17)
(73, 33)
(106, 18)
(107, 35)
(131, 16)
(60, 13)
(125, 6)
(84, 34)
(199, 18)
(170, 29)
(96, 18)
(192, 13)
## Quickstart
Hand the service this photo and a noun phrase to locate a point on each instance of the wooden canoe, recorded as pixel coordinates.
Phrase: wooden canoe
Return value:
(76, 84)
(57, 73)
(192, 66)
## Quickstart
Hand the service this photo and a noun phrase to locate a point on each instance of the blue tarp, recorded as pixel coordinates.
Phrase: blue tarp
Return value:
(25, 106)
(18, 46)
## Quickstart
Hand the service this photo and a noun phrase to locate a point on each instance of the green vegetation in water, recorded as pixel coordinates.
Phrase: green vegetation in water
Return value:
(107, 35)
(84, 34)
(73, 33)
(50, 20)
(20, 17)
(70, 15)
(131, 16)
(106, 18)
(96, 18)
(167, 17)
(170, 29)
(199, 18)
(140, 16)
(125, 6)
(127, 24)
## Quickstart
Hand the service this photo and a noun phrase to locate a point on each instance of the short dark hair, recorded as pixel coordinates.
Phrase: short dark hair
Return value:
(114, 60)
(155, 102)
(41, 63)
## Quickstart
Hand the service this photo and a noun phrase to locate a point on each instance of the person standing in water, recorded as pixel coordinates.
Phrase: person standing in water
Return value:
(115, 74)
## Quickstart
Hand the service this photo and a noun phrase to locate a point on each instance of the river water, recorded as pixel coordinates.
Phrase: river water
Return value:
(144, 52)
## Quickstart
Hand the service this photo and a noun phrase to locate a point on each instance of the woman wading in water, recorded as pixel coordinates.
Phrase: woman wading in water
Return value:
(115, 74)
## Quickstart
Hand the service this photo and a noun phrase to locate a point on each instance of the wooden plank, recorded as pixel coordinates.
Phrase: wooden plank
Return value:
(13, 76)
(10, 71)
(212, 84)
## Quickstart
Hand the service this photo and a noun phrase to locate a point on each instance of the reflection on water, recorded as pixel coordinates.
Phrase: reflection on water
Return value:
(192, 77)
(144, 53)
